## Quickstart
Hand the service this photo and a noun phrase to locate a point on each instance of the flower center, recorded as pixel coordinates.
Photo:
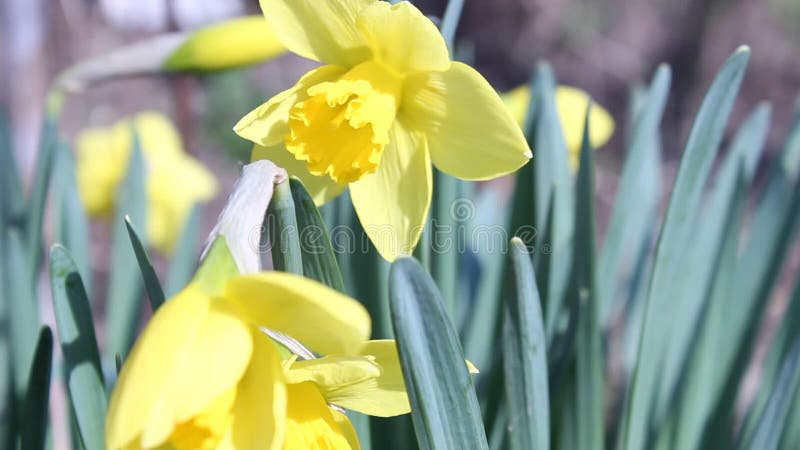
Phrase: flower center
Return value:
(205, 430)
(343, 126)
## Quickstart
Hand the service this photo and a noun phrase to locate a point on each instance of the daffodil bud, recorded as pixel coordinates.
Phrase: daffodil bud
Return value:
(241, 220)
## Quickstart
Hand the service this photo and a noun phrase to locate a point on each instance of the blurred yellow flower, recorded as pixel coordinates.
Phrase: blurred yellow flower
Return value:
(571, 104)
(206, 375)
(175, 180)
(388, 103)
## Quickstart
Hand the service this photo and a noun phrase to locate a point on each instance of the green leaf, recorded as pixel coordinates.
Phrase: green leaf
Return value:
(284, 238)
(450, 19)
(72, 226)
(589, 351)
(699, 387)
(124, 285)
(444, 260)
(36, 203)
(319, 261)
(636, 205)
(34, 417)
(771, 424)
(552, 177)
(151, 284)
(11, 198)
(698, 263)
(773, 228)
(23, 312)
(76, 334)
(779, 351)
(695, 165)
(525, 356)
(444, 406)
(184, 259)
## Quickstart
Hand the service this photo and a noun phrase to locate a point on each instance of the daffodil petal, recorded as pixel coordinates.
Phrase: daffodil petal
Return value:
(321, 318)
(259, 420)
(572, 103)
(347, 429)
(322, 30)
(310, 424)
(403, 38)
(333, 371)
(321, 188)
(518, 101)
(181, 363)
(392, 203)
(471, 134)
(268, 125)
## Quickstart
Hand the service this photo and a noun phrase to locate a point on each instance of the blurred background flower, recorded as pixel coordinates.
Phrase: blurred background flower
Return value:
(175, 180)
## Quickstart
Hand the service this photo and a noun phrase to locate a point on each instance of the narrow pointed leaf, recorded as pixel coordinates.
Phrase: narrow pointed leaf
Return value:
(284, 238)
(444, 406)
(589, 351)
(124, 285)
(151, 284)
(76, 334)
(635, 206)
(319, 261)
(23, 312)
(525, 356)
(695, 165)
(35, 205)
(34, 417)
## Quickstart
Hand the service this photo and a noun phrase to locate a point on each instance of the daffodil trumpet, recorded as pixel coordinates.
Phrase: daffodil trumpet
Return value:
(387, 104)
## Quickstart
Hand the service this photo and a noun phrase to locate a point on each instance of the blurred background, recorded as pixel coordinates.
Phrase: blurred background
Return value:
(602, 46)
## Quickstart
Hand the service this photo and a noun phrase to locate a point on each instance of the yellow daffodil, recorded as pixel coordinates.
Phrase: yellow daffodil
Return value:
(387, 104)
(571, 104)
(175, 180)
(206, 374)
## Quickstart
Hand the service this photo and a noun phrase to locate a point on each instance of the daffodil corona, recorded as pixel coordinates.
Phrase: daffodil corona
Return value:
(387, 104)
(205, 374)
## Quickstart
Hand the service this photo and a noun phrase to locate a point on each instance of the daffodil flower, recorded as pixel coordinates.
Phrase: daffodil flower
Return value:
(387, 104)
(206, 375)
(175, 180)
(571, 104)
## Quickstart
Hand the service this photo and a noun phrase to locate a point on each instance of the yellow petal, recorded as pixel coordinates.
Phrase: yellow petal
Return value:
(346, 428)
(392, 203)
(322, 319)
(259, 413)
(518, 101)
(100, 166)
(384, 396)
(322, 30)
(180, 364)
(333, 371)
(572, 103)
(309, 422)
(471, 134)
(268, 125)
(158, 137)
(321, 188)
(233, 43)
(403, 38)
